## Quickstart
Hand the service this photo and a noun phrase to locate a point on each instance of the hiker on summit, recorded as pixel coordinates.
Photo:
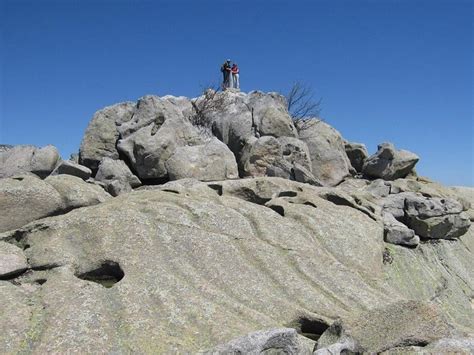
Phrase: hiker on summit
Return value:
(226, 72)
(235, 76)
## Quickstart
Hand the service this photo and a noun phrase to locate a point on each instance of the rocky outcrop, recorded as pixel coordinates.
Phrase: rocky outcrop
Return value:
(389, 163)
(187, 256)
(252, 253)
(22, 159)
(330, 164)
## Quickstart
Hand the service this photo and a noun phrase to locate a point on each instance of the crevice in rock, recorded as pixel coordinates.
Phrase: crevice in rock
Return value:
(13, 275)
(307, 203)
(278, 209)
(287, 194)
(216, 187)
(45, 267)
(311, 328)
(155, 181)
(40, 281)
(107, 274)
(171, 191)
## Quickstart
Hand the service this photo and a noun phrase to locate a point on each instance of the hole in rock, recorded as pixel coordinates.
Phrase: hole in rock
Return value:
(307, 203)
(107, 274)
(217, 188)
(310, 328)
(40, 281)
(287, 194)
(26, 246)
(278, 209)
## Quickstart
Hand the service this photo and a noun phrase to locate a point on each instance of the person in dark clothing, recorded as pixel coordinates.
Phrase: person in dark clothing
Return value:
(226, 72)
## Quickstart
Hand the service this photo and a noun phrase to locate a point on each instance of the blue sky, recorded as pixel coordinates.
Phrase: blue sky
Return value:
(398, 71)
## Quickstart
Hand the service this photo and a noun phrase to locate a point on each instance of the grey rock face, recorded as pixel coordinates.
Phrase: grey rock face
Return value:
(116, 176)
(101, 135)
(284, 340)
(260, 154)
(71, 168)
(389, 163)
(357, 154)
(380, 329)
(396, 232)
(22, 159)
(151, 146)
(270, 114)
(205, 162)
(330, 164)
(295, 151)
(445, 227)
(435, 218)
(12, 260)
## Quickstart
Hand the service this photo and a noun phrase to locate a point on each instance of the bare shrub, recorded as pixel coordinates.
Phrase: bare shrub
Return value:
(302, 105)
(210, 101)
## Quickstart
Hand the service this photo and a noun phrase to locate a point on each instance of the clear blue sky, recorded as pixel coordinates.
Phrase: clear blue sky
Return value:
(398, 71)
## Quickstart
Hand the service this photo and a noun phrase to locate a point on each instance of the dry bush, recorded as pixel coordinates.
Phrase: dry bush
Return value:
(303, 107)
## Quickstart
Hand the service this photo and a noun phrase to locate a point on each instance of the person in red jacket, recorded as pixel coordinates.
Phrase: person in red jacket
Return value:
(235, 76)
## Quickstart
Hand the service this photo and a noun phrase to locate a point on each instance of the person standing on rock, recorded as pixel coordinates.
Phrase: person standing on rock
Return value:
(235, 76)
(226, 70)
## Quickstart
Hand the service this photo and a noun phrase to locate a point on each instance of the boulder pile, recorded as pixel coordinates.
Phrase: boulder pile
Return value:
(218, 225)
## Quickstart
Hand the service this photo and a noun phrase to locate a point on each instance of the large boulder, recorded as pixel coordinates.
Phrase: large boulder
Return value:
(390, 164)
(148, 148)
(330, 164)
(22, 159)
(435, 218)
(116, 176)
(205, 162)
(396, 232)
(259, 154)
(101, 135)
(76, 193)
(357, 154)
(69, 167)
(27, 198)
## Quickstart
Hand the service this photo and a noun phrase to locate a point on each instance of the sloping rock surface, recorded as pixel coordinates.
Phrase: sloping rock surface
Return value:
(248, 254)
